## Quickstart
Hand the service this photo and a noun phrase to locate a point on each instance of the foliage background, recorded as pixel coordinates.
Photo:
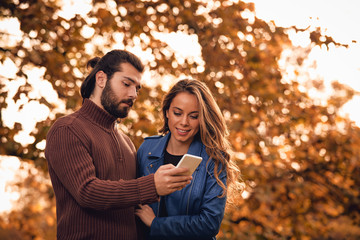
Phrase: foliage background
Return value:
(299, 159)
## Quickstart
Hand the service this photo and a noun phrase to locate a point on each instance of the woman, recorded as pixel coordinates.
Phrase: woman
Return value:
(194, 124)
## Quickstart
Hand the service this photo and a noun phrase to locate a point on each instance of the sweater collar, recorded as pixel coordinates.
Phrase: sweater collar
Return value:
(96, 114)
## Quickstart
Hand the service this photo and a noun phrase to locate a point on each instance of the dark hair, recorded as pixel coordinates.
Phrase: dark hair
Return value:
(109, 64)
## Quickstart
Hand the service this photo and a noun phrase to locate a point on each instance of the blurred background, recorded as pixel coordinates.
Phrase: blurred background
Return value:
(286, 75)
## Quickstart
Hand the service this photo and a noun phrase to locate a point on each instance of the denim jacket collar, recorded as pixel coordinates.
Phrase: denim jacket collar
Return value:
(158, 150)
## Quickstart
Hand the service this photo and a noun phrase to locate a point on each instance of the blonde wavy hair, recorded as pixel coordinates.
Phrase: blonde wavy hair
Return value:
(213, 130)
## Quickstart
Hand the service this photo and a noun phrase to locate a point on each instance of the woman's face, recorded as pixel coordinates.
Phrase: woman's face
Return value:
(183, 117)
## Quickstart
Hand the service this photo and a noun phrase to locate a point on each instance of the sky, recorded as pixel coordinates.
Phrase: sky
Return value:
(338, 19)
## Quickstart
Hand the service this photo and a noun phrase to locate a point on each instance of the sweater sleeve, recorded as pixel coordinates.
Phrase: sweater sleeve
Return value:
(73, 166)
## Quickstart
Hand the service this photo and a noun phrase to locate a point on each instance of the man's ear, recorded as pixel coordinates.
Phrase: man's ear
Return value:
(101, 79)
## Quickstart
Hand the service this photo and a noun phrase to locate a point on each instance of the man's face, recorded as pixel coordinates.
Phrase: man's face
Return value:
(121, 91)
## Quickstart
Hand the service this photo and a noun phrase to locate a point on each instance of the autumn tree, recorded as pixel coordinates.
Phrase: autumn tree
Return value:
(299, 159)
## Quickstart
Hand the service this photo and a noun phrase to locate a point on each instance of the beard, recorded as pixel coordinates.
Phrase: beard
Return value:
(112, 105)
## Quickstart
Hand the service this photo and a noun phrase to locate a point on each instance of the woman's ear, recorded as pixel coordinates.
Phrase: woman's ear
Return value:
(101, 79)
(167, 113)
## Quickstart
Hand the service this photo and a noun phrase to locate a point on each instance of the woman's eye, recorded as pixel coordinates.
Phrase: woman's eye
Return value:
(177, 114)
(194, 117)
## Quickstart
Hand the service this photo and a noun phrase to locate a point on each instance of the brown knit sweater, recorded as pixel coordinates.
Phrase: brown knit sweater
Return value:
(93, 172)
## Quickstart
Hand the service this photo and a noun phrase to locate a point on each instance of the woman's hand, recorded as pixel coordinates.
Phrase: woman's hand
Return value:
(146, 214)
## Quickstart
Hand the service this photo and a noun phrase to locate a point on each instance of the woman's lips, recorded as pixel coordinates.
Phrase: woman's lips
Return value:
(182, 131)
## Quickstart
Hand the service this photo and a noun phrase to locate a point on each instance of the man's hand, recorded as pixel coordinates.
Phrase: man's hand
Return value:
(167, 179)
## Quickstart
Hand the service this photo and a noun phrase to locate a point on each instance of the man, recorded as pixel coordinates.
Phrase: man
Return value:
(93, 167)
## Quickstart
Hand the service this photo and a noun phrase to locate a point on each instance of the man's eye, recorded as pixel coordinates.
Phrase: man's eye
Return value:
(126, 84)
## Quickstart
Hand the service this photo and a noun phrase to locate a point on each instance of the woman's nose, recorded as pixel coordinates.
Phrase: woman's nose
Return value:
(184, 120)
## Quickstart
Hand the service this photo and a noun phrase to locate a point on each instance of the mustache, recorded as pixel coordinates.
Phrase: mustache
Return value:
(130, 102)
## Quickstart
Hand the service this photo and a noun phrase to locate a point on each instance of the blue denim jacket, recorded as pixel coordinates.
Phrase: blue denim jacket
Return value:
(196, 211)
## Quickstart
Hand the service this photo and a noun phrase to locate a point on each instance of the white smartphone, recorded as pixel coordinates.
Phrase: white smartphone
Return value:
(189, 161)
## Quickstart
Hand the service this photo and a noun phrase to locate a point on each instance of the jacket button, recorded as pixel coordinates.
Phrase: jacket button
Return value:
(149, 153)
(151, 165)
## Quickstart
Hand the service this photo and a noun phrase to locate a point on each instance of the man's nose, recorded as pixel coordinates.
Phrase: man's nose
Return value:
(133, 93)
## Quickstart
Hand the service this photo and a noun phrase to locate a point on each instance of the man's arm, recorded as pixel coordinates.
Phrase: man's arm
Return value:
(73, 166)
